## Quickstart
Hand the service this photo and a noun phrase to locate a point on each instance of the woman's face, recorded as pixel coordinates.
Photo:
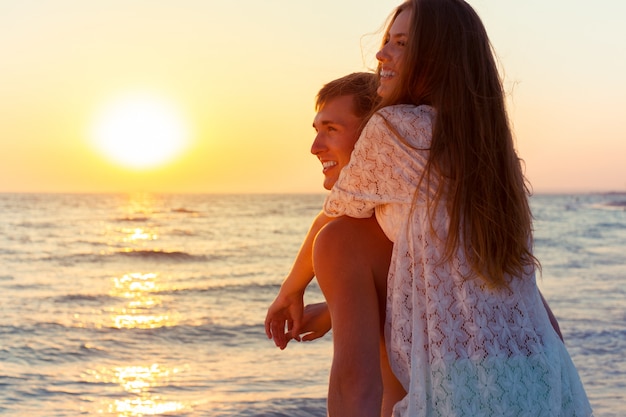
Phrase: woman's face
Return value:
(391, 55)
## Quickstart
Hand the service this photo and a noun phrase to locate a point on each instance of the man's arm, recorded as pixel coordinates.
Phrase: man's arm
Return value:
(287, 309)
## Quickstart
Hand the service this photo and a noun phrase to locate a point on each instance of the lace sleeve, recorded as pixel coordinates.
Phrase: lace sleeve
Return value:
(387, 162)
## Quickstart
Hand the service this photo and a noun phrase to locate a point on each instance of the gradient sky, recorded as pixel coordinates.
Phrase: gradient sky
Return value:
(244, 75)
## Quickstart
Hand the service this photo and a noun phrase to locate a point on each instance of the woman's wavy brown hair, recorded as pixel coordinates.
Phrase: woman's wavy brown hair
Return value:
(449, 64)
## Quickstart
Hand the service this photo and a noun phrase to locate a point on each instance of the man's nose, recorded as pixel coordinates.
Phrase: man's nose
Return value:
(318, 144)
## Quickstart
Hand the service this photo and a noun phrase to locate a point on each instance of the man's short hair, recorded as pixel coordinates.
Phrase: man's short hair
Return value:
(361, 86)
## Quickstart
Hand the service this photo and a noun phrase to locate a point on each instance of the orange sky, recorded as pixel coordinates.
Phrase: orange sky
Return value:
(244, 75)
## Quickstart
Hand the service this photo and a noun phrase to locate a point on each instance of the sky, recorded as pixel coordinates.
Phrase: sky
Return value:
(241, 76)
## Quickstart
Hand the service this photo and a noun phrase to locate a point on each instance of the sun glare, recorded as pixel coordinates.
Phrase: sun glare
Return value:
(140, 131)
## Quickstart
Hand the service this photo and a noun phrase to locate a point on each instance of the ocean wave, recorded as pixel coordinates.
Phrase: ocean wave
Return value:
(294, 407)
(597, 342)
(37, 225)
(153, 255)
(183, 210)
(610, 205)
(161, 255)
(90, 328)
(244, 286)
(198, 334)
(27, 287)
(617, 204)
(51, 353)
(90, 242)
(82, 299)
(8, 330)
(99, 339)
(611, 226)
(137, 219)
(182, 232)
(4, 251)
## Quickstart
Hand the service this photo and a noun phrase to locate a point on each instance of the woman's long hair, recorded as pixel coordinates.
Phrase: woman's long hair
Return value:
(449, 64)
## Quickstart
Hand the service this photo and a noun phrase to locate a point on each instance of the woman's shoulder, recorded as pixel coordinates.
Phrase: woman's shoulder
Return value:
(413, 123)
(407, 112)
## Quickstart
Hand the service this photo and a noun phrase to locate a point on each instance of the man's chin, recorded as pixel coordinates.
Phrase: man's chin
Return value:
(330, 180)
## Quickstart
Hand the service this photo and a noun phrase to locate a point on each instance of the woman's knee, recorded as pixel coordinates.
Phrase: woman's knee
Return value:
(353, 236)
(337, 249)
(351, 248)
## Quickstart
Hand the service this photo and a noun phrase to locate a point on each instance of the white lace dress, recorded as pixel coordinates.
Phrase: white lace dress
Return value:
(458, 348)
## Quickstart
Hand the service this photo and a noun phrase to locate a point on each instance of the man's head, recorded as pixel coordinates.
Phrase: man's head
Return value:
(343, 107)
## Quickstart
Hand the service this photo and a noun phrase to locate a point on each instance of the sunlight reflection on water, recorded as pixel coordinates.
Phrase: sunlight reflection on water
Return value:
(138, 234)
(140, 291)
(138, 382)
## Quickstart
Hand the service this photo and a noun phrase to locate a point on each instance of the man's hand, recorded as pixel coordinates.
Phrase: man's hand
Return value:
(284, 318)
(315, 322)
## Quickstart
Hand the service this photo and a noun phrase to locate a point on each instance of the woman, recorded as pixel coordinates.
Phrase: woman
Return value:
(466, 331)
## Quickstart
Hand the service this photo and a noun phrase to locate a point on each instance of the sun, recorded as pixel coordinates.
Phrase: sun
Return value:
(140, 131)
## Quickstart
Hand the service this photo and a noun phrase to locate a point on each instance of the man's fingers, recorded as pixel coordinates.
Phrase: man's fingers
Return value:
(295, 329)
(307, 337)
(268, 332)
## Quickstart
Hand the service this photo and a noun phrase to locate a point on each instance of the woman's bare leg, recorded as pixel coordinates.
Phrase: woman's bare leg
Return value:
(379, 254)
(351, 260)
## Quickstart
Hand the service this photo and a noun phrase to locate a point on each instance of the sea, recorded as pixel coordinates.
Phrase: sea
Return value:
(153, 305)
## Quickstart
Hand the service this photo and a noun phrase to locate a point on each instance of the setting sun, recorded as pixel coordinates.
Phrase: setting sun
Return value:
(140, 131)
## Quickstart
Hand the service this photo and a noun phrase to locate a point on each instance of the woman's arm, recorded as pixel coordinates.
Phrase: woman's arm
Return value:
(284, 317)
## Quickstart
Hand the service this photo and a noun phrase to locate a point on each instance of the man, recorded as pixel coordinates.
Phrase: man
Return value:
(343, 107)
